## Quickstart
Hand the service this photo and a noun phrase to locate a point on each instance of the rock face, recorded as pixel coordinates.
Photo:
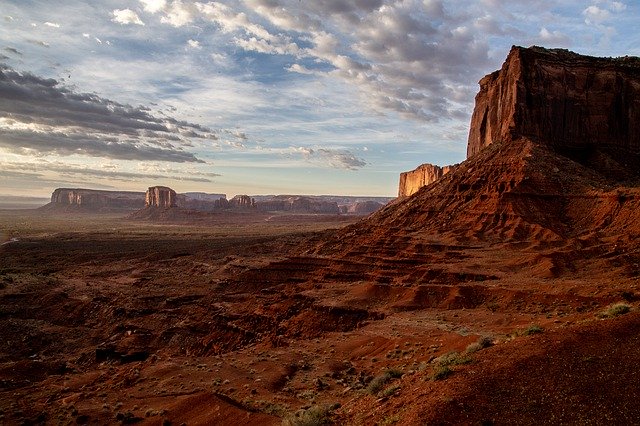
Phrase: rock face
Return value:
(423, 175)
(569, 101)
(92, 199)
(161, 196)
(242, 202)
(298, 204)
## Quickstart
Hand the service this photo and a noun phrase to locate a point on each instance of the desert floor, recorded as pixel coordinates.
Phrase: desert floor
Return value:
(239, 320)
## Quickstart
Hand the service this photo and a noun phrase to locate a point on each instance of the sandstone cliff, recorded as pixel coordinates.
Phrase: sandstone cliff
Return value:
(423, 175)
(242, 202)
(560, 98)
(161, 196)
(95, 200)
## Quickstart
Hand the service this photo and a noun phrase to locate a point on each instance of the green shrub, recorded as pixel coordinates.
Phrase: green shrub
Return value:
(390, 390)
(616, 310)
(394, 373)
(533, 329)
(376, 384)
(441, 372)
(453, 358)
(482, 343)
(314, 416)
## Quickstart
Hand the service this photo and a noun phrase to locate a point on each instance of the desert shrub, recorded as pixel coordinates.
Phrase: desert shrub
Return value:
(616, 310)
(394, 373)
(452, 358)
(482, 343)
(376, 384)
(389, 420)
(533, 329)
(389, 391)
(441, 372)
(314, 416)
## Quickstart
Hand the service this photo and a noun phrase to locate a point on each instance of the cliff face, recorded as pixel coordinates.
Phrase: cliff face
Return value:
(90, 199)
(561, 99)
(161, 196)
(242, 201)
(411, 182)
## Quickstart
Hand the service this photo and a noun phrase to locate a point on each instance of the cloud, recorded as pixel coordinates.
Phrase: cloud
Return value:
(77, 171)
(153, 6)
(194, 44)
(39, 43)
(179, 13)
(554, 38)
(126, 17)
(595, 15)
(408, 57)
(42, 116)
(335, 158)
(52, 24)
(13, 51)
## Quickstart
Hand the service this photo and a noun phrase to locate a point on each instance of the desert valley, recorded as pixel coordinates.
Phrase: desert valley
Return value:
(501, 290)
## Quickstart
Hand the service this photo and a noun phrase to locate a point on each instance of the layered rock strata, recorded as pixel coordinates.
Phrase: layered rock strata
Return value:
(161, 196)
(423, 175)
(559, 98)
(93, 199)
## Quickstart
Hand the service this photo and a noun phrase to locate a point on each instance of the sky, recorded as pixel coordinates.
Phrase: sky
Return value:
(262, 96)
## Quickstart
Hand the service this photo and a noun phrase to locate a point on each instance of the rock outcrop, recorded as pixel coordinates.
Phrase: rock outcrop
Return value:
(423, 175)
(553, 156)
(95, 200)
(242, 202)
(559, 98)
(161, 196)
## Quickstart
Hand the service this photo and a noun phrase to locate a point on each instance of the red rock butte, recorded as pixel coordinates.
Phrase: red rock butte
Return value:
(161, 196)
(559, 98)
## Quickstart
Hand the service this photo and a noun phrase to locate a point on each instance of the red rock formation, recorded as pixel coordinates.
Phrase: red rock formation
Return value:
(91, 199)
(423, 175)
(242, 201)
(559, 98)
(161, 196)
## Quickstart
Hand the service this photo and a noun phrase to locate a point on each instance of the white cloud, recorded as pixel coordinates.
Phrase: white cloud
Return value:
(330, 157)
(194, 44)
(52, 24)
(595, 15)
(153, 6)
(300, 69)
(554, 38)
(617, 6)
(179, 14)
(86, 35)
(126, 17)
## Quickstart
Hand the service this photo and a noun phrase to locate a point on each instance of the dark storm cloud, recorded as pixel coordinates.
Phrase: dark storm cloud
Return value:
(85, 123)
